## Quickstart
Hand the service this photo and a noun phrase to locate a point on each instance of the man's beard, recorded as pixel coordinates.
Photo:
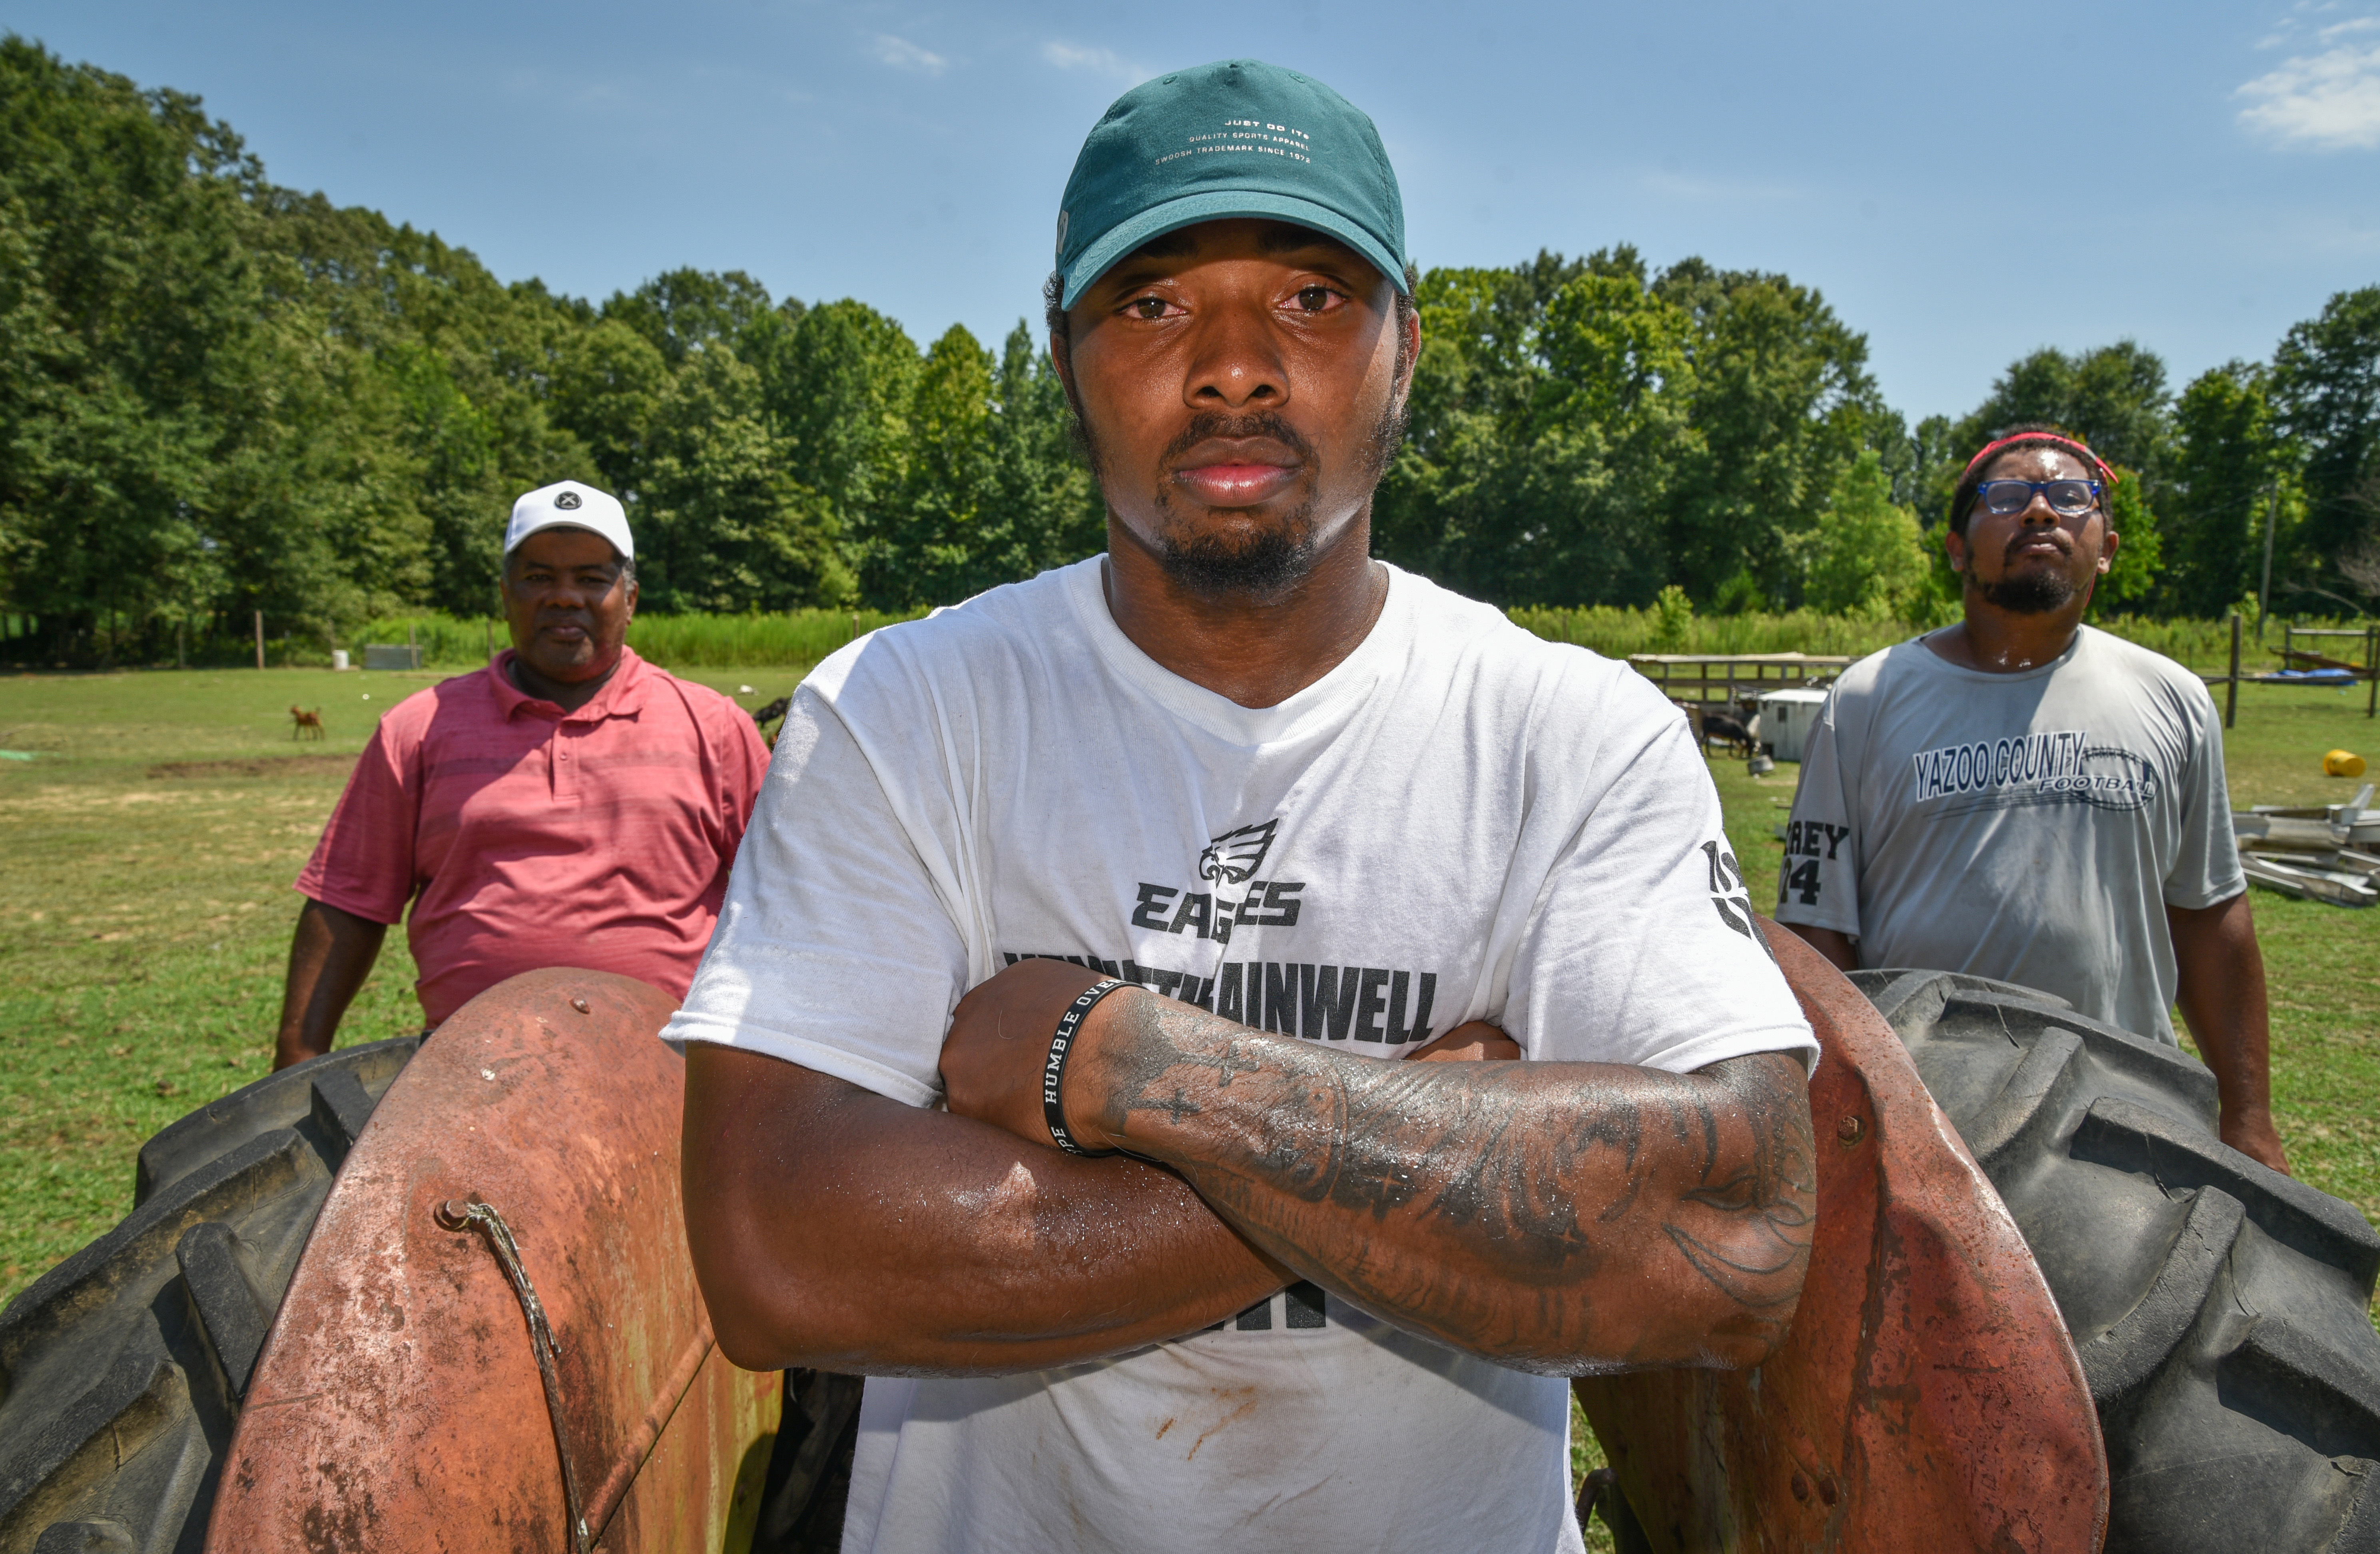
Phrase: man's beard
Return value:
(2039, 592)
(1277, 555)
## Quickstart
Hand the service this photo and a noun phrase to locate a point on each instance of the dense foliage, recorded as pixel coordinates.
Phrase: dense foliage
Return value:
(218, 396)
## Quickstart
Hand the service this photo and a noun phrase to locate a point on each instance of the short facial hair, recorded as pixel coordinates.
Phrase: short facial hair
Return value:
(2040, 591)
(1278, 555)
(2029, 593)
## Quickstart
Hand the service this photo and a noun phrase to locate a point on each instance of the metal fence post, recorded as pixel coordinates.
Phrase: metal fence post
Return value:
(260, 639)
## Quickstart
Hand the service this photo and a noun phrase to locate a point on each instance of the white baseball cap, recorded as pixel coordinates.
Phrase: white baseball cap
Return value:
(577, 507)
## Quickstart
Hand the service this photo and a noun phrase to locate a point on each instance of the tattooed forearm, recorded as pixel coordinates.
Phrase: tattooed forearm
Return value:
(1565, 1216)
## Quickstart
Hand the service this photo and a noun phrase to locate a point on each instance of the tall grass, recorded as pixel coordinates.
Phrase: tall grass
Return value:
(801, 637)
(805, 636)
(709, 642)
(1616, 633)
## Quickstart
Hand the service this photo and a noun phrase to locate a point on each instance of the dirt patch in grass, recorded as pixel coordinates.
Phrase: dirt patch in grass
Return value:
(275, 766)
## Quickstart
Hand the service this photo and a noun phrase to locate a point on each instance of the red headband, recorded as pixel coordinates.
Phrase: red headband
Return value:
(2063, 441)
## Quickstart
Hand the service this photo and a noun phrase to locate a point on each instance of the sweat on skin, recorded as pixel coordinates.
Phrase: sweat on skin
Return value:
(1331, 1302)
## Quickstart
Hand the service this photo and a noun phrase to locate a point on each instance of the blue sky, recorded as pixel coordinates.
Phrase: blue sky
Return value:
(1922, 165)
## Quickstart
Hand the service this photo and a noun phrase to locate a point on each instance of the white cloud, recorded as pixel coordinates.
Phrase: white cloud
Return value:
(2328, 100)
(902, 55)
(1100, 62)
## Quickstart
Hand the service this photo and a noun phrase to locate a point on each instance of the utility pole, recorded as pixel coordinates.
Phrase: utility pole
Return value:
(2231, 682)
(2264, 594)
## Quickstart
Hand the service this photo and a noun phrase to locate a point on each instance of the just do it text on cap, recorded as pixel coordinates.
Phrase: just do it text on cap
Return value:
(575, 506)
(1236, 139)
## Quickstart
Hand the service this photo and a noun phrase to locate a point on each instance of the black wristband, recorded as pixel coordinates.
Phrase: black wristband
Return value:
(1054, 1073)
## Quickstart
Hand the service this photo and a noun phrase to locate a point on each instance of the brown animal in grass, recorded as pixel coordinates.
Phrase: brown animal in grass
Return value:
(1717, 721)
(1726, 729)
(304, 724)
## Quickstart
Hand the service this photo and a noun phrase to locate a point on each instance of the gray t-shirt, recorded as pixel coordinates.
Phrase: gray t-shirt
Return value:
(2029, 827)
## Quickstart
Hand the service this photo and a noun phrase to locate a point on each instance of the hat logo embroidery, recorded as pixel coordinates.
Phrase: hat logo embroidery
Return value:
(567, 501)
(1062, 234)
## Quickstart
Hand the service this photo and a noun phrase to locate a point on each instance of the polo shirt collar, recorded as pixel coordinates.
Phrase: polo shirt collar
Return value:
(623, 695)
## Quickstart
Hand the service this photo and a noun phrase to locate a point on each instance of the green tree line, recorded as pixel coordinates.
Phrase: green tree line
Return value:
(218, 395)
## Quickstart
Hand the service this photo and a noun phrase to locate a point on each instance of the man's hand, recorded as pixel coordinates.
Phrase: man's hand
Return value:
(1000, 1042)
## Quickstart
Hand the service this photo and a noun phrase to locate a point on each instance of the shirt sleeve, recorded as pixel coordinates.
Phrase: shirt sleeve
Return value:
(364, 862)
(834, 949)
(1817, 883)
(2206, 864)
(1642, 948)
(743, 773)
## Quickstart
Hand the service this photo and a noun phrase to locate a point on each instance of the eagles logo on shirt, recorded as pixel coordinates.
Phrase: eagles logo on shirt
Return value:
(1233, 857)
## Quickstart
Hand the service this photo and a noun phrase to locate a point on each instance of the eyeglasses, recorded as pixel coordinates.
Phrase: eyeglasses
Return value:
(2068, 499)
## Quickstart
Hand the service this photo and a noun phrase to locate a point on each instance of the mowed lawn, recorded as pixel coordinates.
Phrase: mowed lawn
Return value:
(146, 857)
(147, 850)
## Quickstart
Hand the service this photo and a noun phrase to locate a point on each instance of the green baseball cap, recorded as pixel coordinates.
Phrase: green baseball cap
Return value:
(1240, 138)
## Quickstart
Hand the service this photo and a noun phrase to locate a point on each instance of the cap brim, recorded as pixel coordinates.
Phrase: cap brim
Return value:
(1221, 204)
(513, 540)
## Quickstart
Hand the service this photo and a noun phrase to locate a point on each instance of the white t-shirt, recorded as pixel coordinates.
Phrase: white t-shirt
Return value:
(1459, 822)
(2030, 827)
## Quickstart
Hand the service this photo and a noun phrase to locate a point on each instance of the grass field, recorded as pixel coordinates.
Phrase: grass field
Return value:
(145, 908)
(146, 855)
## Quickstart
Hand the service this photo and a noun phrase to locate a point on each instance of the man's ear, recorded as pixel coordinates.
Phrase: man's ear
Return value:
(2107, 551)
(1061, 359)
(1954, 545)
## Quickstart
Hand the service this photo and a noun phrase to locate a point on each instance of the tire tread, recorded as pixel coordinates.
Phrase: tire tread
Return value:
(2235, 1371)
(121, 1369)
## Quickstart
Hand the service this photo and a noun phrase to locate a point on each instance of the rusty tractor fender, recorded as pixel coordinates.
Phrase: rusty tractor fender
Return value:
(494, 1331)
(1927, 1395)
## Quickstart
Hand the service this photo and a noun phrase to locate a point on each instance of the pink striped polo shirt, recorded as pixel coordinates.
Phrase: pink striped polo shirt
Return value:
(524, 836)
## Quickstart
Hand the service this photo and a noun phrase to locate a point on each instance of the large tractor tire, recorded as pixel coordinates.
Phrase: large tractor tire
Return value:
(122, 1369)
(2219, 1307)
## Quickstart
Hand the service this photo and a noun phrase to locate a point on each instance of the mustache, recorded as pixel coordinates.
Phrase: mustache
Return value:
(1210, 424)
(2057, 536)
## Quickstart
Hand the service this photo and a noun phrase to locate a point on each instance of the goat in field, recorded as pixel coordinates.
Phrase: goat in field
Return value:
(1730, 725)
(1728, 729)
(304, 724)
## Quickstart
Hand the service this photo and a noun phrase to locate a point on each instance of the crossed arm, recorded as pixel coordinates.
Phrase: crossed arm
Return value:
(1562, 1218)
